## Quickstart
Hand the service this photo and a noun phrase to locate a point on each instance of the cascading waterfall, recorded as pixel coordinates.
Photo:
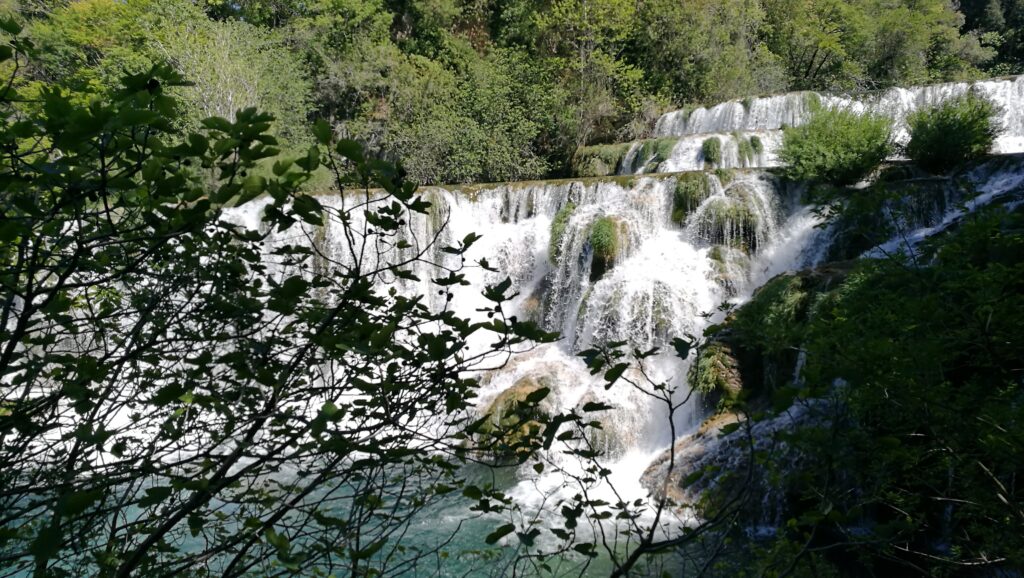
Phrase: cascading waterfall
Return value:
(668, 274)
(686, 243)
(750, 130)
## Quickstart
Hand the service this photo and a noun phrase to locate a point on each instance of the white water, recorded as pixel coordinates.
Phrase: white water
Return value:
(765, 117)
(667, 280)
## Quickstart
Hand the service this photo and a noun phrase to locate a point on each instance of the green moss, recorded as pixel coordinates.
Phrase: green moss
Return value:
(756, 145)
(725, 176)
(812, 100)
(558, 225)
(605, 240)
(653, 152)
(711, 149)
(746, 151)
(691, 190)
(599, 160)
(730, 221)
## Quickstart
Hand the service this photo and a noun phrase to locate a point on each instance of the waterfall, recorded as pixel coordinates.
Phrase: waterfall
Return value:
(739, 123)
(674, 263)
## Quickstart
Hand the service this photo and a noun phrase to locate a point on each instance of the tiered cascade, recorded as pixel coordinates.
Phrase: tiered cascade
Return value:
(749, 131)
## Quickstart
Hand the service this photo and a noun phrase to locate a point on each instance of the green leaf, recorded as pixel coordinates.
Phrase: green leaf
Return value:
(155, 495)
(538, 395)
(596, 406)
(729, 428)
(370, 550)
(323, 132)
(500, 533)
(10, 26)
(682, 347)
(350, 149)
(77, 502)
(613, 374)
(47, 543)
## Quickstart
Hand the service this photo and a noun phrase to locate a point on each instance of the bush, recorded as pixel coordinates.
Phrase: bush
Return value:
(956, 131)
(598, 160)
(604, 238)
(712, 150)
(756, 144)
(836, 146)
(691, 190)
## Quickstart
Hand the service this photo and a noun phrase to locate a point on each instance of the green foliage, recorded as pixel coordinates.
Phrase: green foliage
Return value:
(158, 366)
(746, 150)
(604, 238)
(756, 145)
(558, 225)
(598, 160)
(957, 131)
(653, 152)
(921, 446)
(711, 150)
(836, 146)
(691, 190)
(475, 92)
(716, 371)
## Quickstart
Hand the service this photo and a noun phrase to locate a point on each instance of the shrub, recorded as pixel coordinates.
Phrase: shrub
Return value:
(956, 131)
(691, 190)
(599, 160)
(756, 144)
(558, 225)
(712, 150)
(836, 146)
(604, 238)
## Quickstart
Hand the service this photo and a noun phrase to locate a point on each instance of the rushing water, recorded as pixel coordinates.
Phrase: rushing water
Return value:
(675, 265)
(667, 279)
(760, 120)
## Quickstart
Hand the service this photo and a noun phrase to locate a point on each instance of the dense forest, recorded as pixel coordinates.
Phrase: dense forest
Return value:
(474, 91)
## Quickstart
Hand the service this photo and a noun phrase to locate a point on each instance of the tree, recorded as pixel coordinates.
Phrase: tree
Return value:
(178, 395)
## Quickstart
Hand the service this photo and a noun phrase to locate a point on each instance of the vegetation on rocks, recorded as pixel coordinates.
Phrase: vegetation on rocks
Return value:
(957, 131)
(711, 151)
(836, 146)
(558, 225)
(690, 191)
(599, 160)
(605, 239)
(909, 447)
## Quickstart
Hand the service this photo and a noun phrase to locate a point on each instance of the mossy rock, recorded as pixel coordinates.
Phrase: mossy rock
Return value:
(711, 150)
(599, 160)
(725, 176)
(727, 262)
(515, 420)
(730, 221)
(691, 190)
(755, 350)
(606, 240)
(558, 225)
(653, 152)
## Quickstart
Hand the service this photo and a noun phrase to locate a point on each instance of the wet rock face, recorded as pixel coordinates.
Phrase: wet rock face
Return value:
(514, 419)
(725, 463)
